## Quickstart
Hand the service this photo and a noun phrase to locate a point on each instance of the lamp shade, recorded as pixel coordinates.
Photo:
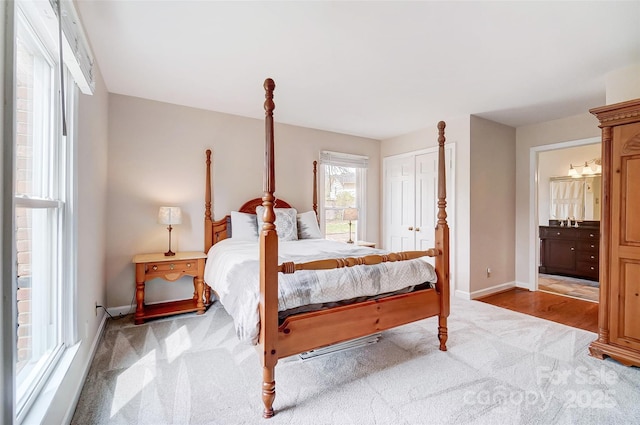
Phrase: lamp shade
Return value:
(170, 215)
(350, 214)
(587, 170)
(572, 171)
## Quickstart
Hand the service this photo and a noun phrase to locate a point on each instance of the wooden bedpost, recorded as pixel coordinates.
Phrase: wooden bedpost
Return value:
(442, 242)
(208, 219)
(269, 263)
(315, 190)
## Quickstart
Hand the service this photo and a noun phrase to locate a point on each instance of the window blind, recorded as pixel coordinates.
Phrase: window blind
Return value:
(77, 54)
(344, 159)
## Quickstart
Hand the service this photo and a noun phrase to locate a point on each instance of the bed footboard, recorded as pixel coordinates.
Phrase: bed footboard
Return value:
(307, 331)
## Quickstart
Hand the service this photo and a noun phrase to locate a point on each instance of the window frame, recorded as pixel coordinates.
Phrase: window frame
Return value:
(60, 198)
(361, 164)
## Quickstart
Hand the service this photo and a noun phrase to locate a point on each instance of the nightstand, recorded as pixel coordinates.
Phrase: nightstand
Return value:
(150, 266)
(365, 243)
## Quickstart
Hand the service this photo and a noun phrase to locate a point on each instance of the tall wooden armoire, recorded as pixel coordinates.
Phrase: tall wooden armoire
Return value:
(619, 311)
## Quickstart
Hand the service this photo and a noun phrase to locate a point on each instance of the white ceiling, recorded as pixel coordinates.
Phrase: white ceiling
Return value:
(373, 69)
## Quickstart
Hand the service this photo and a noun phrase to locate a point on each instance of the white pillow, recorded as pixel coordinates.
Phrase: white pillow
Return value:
(286, 222)
(244, 226)
(308, 226)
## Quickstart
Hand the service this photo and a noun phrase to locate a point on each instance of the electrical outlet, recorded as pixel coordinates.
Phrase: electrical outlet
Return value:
(488, 271)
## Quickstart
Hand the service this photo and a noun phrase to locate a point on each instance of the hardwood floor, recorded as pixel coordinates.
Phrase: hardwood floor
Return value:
(557, 308)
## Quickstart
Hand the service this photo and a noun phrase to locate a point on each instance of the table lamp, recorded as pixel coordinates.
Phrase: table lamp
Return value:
(350, 214)
(170, 216)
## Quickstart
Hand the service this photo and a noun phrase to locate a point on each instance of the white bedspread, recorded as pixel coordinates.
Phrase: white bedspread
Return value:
(232, 270)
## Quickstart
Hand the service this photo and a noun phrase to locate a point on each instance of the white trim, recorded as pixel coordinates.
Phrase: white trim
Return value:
(26, 202)
(92, 353)
(36, 412)
(484, 292)
(534, 252)
(8, 309)
(465, 295)
(76, 51)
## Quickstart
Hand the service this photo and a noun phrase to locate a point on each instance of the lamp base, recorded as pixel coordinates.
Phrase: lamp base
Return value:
(350, 240)
(169, 253)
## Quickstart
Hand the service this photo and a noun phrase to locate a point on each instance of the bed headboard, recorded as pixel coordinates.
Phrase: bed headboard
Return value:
(215, 231)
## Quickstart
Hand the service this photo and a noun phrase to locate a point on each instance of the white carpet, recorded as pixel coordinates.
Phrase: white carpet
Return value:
(502, 367)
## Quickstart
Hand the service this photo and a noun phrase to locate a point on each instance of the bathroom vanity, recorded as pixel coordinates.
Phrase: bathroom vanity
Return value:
(570, 251)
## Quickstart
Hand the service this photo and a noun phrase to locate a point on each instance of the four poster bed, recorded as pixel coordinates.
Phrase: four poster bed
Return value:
(281, 327)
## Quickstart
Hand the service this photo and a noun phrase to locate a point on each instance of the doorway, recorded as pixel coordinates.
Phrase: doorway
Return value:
(566, 219)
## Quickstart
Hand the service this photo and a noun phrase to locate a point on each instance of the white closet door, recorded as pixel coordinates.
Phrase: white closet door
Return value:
(399, 214)
(426, 178)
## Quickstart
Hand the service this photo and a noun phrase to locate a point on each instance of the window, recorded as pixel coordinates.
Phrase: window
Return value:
(43, 233)
(342, 201)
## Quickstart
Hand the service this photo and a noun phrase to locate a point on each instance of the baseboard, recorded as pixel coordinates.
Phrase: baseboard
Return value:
(130, 309)
(121, 311)
(462, 294)
(484, 292)
(92, 352)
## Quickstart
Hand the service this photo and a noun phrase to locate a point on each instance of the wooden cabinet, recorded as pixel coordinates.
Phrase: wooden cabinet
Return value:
(619, 313)
(569, 251)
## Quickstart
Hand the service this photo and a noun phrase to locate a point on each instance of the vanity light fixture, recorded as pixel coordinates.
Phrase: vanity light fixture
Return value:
(590, 168)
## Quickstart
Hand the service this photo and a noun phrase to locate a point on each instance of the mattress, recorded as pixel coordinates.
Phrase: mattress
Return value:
(232, 271)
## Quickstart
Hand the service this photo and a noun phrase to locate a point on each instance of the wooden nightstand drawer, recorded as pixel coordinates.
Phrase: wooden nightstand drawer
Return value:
(184, 266)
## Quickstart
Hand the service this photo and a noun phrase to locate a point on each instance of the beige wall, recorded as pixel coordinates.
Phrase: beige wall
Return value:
(569, 129)
(457, 133)
(492, 200)
(156, 157)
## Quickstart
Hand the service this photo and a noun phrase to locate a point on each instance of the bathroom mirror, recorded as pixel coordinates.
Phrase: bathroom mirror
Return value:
(576, 197)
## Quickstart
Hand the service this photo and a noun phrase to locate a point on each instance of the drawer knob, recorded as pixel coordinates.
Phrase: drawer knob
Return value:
(593, 268)
(593, 257)
(591, 234)
(188, 264)
(593, 246)
(410, 227)
(172, 266)
(573, 249)
(417, 229)
(558, 233)
(154, 268)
